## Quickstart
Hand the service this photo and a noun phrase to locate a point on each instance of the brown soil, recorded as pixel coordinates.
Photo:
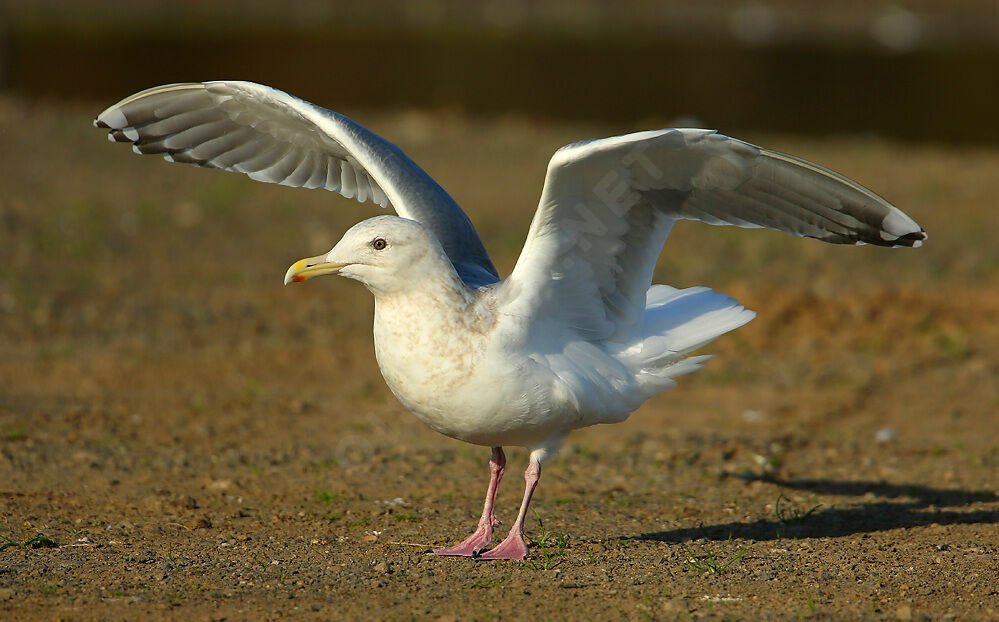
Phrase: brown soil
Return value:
(190, 439)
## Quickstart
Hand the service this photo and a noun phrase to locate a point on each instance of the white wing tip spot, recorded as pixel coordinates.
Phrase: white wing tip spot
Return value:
(114, 119)
(896, 224)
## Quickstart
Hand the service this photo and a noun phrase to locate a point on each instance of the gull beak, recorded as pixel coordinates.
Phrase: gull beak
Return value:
(309, 267)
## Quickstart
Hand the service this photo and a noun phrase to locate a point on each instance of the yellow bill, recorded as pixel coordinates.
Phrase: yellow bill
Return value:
(309, 267)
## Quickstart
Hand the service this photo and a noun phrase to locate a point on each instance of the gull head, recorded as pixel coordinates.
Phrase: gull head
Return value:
(386, 253)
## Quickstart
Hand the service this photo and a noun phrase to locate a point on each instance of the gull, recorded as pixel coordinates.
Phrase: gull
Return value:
(577, 334)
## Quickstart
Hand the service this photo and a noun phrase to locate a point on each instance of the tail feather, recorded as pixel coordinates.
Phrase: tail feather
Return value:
(677, 322)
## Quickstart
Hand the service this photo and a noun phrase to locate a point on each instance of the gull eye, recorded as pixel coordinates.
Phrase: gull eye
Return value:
(379, 244)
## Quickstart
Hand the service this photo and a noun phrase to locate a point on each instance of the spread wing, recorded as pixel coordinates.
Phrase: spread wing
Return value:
(272, 136)
(608, 205)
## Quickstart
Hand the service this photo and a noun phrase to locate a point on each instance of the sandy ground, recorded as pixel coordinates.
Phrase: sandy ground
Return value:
(183, 437)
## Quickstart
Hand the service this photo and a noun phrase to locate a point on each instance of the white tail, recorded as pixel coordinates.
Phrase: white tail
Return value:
(677, 322)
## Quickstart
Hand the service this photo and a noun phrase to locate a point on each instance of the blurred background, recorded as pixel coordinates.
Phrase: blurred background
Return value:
(106, 257)
(914, 69)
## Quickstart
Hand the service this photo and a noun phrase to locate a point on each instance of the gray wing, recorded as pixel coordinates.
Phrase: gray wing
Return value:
(272, 136)
(608, 206)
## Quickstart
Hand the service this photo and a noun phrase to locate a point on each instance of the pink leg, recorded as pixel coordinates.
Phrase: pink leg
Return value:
(481, 537)
(514, 546)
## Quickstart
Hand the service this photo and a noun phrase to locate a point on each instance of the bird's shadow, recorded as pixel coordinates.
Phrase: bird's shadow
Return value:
(907, 505)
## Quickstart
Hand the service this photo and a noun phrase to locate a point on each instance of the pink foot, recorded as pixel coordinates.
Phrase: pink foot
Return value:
(483, 534)
(469, 547)
(513, 547)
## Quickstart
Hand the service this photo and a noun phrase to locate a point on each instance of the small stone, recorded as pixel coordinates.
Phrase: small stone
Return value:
(371, 538)
(383, 567)
(885, 435)
(199, 523)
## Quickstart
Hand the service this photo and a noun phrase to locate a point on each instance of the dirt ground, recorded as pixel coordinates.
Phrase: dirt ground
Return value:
(182, 437)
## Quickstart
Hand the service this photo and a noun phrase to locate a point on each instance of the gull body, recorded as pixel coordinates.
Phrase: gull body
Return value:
(577, 335)
(447, 352)
(436, 339)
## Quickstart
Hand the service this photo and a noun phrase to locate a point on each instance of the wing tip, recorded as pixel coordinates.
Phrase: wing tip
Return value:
(901, 230)
(111, 119)
(913, 239)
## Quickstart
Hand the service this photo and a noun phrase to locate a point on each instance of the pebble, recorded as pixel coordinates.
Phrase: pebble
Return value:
(199, 523)
(885, 435)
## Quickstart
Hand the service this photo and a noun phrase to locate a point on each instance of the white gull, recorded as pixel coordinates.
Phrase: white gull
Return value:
(577, 335)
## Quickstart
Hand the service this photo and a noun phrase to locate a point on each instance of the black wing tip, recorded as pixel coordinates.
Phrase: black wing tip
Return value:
(118, 136)
(101, 124)
(914, 239)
